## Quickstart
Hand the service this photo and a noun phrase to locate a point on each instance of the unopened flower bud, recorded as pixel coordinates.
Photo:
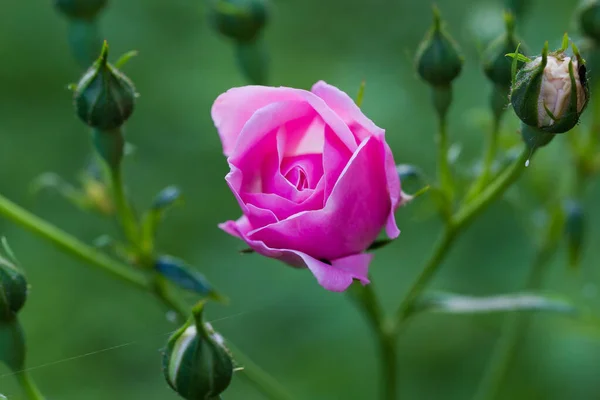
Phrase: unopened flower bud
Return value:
(241, 20)
(13, 288)
(589, 19)
(496, 65)
(551, 91)
(80, 9)
(104, 97)
(438, 60)
(196, 363)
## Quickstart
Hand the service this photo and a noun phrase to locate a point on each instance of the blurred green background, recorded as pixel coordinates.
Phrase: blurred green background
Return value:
(91, 337)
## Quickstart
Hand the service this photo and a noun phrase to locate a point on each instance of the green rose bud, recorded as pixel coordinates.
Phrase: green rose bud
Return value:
(196, 363)
(80, 9)
(242, 20)
(589, 19)
(496, 65)
(13, 287)
(438, 59)
(104, 97)
(551, 91)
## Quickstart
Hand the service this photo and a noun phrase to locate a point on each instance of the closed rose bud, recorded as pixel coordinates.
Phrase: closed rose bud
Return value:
(589, 19)
(80, 9)
(551, 91)
(438, 60)
(13, 289)
(104, 97)
(242, 20)
(196, 363)
(496, 65)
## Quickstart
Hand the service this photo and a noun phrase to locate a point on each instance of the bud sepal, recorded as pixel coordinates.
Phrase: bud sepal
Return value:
(196, 363)
(438, 60)
(13, 285)
(104, 98)
(551, 91)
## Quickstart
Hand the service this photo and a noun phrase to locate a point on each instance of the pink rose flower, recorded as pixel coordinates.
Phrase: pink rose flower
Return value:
(314, 178)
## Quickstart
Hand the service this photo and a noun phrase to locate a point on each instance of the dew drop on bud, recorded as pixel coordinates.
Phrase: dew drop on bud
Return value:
(527, 163)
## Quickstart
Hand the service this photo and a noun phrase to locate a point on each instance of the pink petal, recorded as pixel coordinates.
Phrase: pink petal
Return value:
(233, 109)
(351, 218)
(346, 108)
(336, 277)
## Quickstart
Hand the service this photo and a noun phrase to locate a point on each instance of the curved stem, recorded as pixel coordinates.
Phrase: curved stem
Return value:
(440, 250)
(444, 174)
(469, 211)
(29, 387)
(365, 298)
(454, 226)
(72, 245)
(125, 213)
(488, 162)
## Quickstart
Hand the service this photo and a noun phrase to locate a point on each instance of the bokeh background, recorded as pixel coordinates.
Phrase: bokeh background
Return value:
(91, 337)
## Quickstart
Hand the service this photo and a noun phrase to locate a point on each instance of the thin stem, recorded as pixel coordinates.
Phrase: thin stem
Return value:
(29, 387)
(365, 298)
(258, 377)
(512, 331)
(72, 245)
(444, 174)
(454, 226)
(69, 243)
(125, 213)
(469, 211)
(488, 161)
(440, 250)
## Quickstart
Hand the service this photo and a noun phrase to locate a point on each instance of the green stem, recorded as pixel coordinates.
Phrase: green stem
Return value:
(29, 387)
(454, 226)
(365, 298)
(427, 272)
(488, 162)
(72, 245)
(444, 174)
(496, 188)
(125, 213)
(512, 330)
(69, 243)
(442, 98)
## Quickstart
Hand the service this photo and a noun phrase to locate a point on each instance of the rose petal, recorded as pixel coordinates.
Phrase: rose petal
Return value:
(233, 109)
(336, 277)
(352, 217)
(347, 109)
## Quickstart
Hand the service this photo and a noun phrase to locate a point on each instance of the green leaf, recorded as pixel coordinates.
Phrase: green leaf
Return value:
(182, 275)
(450, 303)
(164, 201)
(124, 59)
(565, 43)
(361, 94)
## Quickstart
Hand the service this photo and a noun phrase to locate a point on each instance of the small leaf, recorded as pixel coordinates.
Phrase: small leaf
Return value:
(124, 59)
(450, 303)
(182, 275)
(361, 94)
(550, 114)
(8, 251)
(565, 43)
(165, 200)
